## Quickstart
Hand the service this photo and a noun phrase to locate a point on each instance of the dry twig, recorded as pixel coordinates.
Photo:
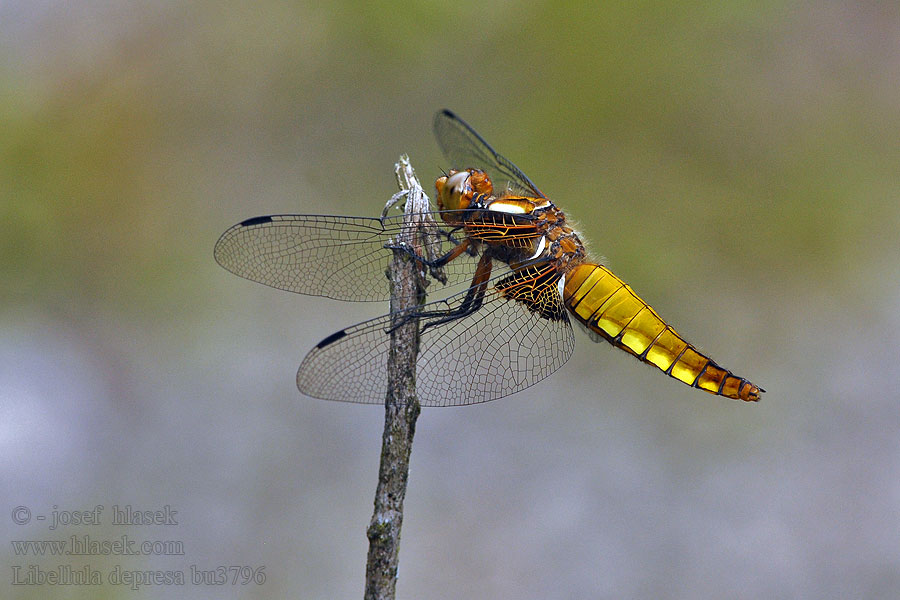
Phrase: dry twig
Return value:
(401, 405)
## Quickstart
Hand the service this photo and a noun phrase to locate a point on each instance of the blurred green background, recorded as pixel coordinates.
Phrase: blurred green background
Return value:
(738, 164)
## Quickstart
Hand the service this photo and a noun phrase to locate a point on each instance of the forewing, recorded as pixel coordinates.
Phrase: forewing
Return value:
(465, 148)
(344, 258)
(502, 348)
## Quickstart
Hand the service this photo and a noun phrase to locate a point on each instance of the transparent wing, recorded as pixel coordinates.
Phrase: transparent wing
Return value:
(502, 348)
(465, 148)
(343, 258)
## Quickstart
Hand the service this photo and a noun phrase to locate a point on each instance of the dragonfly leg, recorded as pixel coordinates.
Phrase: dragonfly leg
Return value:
(437, 262)
(471, 303)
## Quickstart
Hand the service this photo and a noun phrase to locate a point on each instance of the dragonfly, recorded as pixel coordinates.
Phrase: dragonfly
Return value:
(514, 275)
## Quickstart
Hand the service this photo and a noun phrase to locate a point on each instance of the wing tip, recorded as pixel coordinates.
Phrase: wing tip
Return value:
(255, 221)
(331, 339)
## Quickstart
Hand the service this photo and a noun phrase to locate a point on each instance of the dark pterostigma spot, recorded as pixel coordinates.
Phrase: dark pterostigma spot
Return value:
(331, 339)
(256, 221)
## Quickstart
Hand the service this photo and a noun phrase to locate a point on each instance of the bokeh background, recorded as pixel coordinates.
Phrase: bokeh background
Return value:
(738, 164)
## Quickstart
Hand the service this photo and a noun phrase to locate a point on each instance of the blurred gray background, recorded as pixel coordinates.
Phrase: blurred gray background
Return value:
(738, 165)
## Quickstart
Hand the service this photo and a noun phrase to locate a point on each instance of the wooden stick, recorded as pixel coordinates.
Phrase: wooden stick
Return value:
(401, 407)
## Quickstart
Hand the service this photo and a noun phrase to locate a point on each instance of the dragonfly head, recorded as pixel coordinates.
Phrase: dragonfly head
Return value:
(457, 190)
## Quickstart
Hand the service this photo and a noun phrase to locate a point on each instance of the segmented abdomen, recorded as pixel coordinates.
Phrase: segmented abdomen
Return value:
(609, 308)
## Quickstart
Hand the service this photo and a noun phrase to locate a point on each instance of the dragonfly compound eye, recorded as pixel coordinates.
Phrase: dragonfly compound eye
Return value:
(454, 192)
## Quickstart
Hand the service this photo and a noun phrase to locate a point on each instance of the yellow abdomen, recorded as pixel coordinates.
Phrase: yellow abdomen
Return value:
(609, 308)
